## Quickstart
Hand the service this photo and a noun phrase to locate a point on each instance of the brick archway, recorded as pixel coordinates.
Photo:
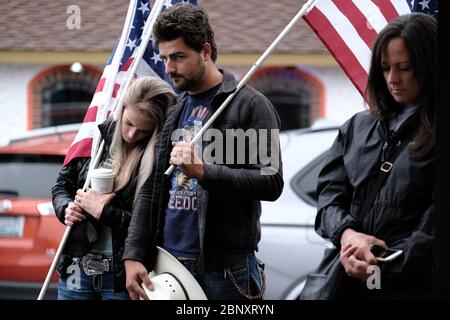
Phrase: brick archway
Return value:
(90, 75)
(298, 96)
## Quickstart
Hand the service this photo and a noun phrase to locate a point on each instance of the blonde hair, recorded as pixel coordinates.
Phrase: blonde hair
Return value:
(151, 96)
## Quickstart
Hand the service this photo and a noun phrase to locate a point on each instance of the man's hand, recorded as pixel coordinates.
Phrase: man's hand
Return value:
(183, 155)
(93, 201)
(136, 273)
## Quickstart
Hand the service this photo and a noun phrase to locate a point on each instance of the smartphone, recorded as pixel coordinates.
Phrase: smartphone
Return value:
(385, 255)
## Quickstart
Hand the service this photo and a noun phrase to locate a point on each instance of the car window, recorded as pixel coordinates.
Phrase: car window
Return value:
(304, 182)
(28, 176)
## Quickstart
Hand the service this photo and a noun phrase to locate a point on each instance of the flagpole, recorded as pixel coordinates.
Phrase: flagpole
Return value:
(62, 244)
(157, 8)
(306, 8)
(115, 65)
(119, 103)
(93, 164)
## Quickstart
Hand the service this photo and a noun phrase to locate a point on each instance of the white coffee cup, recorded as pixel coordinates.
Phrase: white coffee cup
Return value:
(102, 180)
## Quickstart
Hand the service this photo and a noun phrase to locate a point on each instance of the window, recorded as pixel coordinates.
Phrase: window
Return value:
(304, 182)
(59, 96)
(16, 170)
(292, 107)
(65, 101)
(295, 94)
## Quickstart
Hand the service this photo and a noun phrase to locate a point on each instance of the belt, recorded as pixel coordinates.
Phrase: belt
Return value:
(94, 264)
(185, 259)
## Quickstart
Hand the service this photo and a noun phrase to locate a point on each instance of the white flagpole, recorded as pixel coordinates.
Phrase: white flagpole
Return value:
(116, 61)
(306, 8)
(148, 30)
(121, 94)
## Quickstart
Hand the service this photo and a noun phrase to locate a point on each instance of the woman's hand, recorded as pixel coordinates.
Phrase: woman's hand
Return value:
(353, 266)
(356, 256)
(93, 201)
(74, 214)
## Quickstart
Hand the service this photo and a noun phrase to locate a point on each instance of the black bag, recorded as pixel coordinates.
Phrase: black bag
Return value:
(326, 282)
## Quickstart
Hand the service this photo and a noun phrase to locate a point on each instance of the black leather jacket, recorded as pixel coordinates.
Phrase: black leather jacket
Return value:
(116, 214)
(230, 224)
(402, 212)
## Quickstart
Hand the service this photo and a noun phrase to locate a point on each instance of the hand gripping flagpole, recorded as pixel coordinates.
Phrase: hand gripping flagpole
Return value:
(306, 8)
(116, 63)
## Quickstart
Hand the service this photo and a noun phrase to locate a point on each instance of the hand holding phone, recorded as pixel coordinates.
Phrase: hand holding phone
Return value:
(385, 255)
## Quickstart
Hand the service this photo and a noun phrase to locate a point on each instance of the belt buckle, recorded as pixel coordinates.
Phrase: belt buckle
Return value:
(94, 264)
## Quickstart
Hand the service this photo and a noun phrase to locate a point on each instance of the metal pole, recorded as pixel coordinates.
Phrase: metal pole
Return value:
(121, 46)
(306, 8)
(93, 164)
(66, 234)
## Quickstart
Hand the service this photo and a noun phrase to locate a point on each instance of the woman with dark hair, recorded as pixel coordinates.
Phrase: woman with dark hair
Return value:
(376, 188)
(90, 266)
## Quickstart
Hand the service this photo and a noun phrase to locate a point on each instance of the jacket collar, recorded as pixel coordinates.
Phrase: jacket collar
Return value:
(408, 126)
(228, 85)
(107, 129)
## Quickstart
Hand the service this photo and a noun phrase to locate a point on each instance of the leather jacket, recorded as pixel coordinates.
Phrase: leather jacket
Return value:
(116, 214)
(230, 224)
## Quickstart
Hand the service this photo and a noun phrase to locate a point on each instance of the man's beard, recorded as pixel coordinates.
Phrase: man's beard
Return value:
(191, 82)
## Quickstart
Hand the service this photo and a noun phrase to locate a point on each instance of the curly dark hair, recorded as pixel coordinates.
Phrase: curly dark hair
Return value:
(188, 22)
(419, 32)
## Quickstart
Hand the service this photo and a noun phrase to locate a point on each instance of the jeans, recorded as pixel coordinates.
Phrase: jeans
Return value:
(75, 284)
(246, 271)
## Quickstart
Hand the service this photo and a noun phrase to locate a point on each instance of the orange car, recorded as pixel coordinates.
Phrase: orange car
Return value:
(29, 230)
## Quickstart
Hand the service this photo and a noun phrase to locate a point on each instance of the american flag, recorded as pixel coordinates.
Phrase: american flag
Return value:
(151, 64)
(426, 6)
(349, 28)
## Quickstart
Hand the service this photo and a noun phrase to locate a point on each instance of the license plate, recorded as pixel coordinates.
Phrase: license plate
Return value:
(11, 226)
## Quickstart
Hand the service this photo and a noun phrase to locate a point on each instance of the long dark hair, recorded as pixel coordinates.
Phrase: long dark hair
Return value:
(188, 22)
(419, 33)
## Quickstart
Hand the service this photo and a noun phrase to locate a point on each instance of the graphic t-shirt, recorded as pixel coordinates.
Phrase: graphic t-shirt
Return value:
(181, 236)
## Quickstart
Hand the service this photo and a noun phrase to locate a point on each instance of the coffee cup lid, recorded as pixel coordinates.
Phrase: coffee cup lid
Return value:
(102, 173)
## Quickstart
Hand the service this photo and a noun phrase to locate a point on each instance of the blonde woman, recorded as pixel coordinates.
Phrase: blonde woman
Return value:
(90, 267)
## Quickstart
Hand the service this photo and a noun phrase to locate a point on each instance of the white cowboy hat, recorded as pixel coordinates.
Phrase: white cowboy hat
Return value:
(172, 281)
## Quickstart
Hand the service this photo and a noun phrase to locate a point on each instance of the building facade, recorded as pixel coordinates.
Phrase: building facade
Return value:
(38, 89)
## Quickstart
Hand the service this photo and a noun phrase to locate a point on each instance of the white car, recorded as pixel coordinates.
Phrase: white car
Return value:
(289, 246)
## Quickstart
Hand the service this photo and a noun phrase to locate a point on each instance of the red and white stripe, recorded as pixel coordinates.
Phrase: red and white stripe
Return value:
(82, 144)
(348, 29)
(108, 95)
